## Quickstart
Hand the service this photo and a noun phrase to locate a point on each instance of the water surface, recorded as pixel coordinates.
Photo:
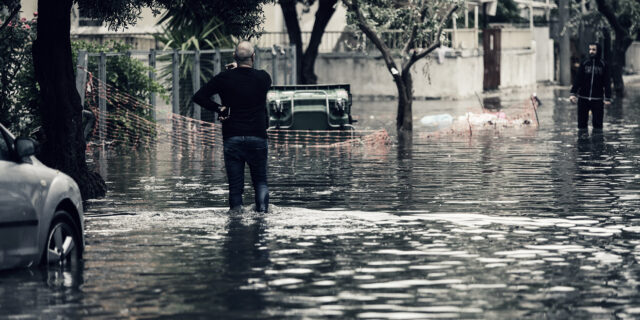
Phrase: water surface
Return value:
(513, 223)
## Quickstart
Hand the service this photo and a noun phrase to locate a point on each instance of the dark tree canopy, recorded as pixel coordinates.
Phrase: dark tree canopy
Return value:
(241, 18)
(622, 17)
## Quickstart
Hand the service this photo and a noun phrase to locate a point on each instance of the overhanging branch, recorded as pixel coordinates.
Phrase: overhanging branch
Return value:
(608, 13)
(417, 56)
(11, 16)
(368, 31)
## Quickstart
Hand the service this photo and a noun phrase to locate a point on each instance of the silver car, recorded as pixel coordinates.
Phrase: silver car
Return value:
(41, 215)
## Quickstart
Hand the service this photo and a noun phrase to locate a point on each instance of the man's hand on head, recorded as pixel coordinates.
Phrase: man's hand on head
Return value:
(231, 65)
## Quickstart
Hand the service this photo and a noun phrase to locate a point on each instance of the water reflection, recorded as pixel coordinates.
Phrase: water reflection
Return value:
(41, 292)
(522, 223)
(246, 257)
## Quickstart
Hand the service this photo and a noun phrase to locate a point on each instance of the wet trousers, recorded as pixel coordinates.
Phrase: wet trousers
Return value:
(597, 113)
(253, 151)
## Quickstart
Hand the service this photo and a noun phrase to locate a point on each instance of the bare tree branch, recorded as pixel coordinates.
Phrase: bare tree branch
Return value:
(368, 31)
(410, 43)
(417, 56)
(11, 16)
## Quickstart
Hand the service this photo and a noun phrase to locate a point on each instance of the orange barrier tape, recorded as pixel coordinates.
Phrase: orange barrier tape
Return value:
(128, 123)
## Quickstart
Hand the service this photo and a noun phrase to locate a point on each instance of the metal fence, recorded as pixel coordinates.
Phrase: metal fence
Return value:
(182, 73)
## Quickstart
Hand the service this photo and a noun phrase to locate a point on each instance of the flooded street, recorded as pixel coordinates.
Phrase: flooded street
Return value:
(528, 222)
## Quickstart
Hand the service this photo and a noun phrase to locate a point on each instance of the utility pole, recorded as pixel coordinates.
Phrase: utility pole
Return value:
(565, 46)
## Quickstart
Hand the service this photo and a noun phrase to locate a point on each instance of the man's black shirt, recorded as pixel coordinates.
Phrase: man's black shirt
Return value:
(592, 81)
(244, 92)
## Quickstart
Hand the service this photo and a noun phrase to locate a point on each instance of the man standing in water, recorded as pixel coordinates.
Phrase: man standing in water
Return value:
(243, 113)
(591, 89)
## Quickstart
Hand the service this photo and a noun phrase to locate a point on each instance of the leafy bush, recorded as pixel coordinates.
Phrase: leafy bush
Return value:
(19, 93)
(184, 32)
(127, 75)
(18, 88)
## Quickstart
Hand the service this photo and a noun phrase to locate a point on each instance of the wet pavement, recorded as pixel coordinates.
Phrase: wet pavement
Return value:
(517, 223)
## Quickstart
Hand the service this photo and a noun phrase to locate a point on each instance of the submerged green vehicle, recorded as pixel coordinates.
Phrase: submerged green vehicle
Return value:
(310, 107)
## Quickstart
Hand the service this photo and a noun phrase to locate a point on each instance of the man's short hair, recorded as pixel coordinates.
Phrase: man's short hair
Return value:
(593, 44)
(244, 52)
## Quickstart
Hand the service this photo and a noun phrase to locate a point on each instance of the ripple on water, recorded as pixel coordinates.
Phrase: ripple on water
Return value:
(501, 225)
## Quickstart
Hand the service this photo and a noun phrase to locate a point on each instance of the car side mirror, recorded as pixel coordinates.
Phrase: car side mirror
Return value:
(25, 147)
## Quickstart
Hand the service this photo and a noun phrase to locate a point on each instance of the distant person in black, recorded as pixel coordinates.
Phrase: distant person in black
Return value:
(591, 89)
(243, 113)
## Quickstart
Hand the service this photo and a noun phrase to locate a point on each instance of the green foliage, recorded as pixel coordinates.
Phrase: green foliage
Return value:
(187, 29)
(18, 89)
(120, 13)
(385, 16)
(241, 18)
(192, 36)
(196, 37)
(627, 12)
(123, 72)
(127, 75)
(507, 12)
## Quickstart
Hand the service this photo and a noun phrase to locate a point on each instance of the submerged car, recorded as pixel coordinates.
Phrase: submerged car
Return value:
(310, 107)
(41, 214)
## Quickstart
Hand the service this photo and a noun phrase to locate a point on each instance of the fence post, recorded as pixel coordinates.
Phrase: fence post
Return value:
(274, 65)
(175, 77)
(256, 63)
(196, 83)
(81, 74)
(152, 76)
(217, 68)
(285, 70)
(294, 69)
(217, 62)
(102, 97)
(454, 36)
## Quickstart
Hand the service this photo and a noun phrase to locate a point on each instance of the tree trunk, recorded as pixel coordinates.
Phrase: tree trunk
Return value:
(326, 8)
(620, 46)
(61, 111)
(565, 45)
(404, 120)
(622, 42)
(293, 30)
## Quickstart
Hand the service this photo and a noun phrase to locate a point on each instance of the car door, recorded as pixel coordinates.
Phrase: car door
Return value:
(18, 217)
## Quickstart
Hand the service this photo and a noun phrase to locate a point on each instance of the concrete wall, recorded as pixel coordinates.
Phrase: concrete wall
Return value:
(517, 68)
(28, 8)
(544, 54)
(633, 57)
(515, 38)
(274, 20)
(459, 74)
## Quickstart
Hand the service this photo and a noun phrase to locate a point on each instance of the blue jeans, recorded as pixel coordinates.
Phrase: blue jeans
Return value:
(239, 150)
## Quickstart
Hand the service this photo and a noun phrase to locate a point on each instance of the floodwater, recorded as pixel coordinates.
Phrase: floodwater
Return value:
(517, 223)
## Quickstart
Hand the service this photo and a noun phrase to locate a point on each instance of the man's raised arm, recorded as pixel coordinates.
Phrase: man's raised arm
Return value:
(203, 96)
